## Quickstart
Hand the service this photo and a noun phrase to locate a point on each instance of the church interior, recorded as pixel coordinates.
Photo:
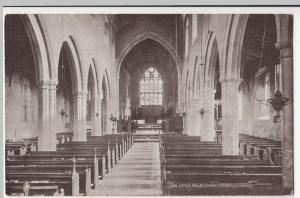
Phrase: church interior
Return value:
(148, 104)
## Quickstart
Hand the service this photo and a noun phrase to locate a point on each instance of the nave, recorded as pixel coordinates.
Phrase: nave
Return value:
(178, 104)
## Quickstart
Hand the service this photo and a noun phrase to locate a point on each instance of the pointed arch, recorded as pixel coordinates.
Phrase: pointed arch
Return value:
(39, 46)
(76, 69)
(157, 38)
(105, 81)
(212, 57)
(92, 71)
(235, 41)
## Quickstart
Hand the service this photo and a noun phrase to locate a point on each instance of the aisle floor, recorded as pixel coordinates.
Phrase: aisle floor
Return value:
(137, 173)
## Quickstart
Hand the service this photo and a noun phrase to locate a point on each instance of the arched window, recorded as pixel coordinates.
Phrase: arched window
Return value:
(151, 87)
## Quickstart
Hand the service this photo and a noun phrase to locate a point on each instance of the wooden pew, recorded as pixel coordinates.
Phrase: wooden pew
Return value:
(221, 168)
(126, 137)
(97, 158)
(249, 145)
(273, 154)
(215, 162)
(20, 147)
(88, 148)
(81, 165)
(191, 151)
(63, 137)
(213, 157)
(69, 181)
(34, 189)
(123, 142)
(181, 174)
(225, 183)
(252, 146)
(83, 171)
(193, 167)
(115, 143)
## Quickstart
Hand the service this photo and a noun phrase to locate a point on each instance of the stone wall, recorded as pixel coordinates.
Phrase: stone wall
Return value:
(17, 124)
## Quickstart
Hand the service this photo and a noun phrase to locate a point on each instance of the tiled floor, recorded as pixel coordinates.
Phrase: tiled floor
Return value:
(138, 173)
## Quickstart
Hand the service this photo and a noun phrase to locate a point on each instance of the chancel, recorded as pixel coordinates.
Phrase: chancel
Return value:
(148, 104)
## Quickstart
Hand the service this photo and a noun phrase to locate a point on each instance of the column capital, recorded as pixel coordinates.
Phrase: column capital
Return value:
(100, 96)
(97, 99)
(80, 94)
(208, 90)
(230, 80)
(285, 48)
(48, 82)
(283, 44)
(194, 100)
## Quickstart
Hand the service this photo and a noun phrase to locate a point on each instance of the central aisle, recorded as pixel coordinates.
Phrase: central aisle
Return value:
(137, 173)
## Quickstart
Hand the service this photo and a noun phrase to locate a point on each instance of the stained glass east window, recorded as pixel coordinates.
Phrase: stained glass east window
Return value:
(151, 87)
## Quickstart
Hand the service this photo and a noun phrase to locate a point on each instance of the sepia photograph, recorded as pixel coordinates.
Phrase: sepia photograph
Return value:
(148, 104)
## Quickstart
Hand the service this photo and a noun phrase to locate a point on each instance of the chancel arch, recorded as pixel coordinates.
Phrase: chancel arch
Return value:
(155, 37)
(150, 54)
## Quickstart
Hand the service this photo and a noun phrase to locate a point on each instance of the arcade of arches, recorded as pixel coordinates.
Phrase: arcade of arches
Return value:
(71, 73)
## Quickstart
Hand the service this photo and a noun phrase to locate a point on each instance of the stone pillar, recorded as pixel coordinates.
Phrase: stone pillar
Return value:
(185, 118)
(93, 116)
(208, 117)
(286, 57)
(80, 116)
(188, 118)
(127, 108)
(181, 95)
(202, 118)
(100, 115)
(96, 113)
(83, 116)
(230, 135)
(47, 115)
(109, 125)
(53, 114)
(195, 117)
